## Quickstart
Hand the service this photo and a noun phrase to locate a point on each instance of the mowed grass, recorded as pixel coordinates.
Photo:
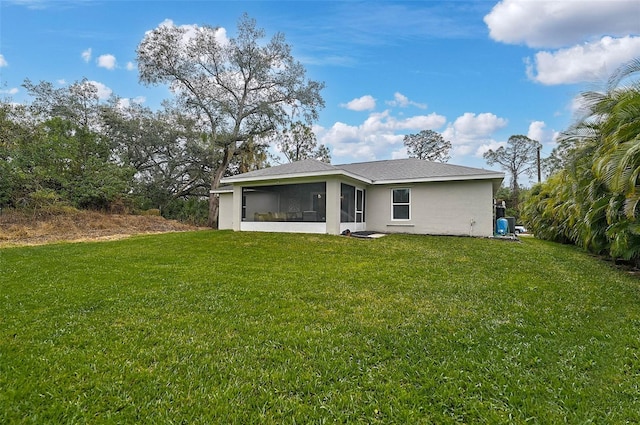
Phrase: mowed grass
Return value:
(256, 328)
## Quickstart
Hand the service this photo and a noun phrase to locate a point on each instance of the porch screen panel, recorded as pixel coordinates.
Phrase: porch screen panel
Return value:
(289, 202)
(347, 203)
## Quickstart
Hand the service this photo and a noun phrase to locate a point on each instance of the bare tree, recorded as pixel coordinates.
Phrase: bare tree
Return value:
(517, 158)
(241, 88)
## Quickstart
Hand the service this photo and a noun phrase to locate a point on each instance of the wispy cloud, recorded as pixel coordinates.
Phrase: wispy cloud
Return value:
(347, 30)
(47, 4)
(402, 101)
(3, 62)
(10, 91)
(86, 55)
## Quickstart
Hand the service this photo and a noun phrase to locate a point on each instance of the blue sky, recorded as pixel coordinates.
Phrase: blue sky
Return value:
(475, 71)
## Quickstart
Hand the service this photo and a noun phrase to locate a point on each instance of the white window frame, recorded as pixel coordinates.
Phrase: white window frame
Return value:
(393, 204)
(360, 217)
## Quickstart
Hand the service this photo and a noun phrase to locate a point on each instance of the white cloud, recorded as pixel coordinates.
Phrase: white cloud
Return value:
(86, 55)
(470, 132)
(131, 66)
(124, 103)
(107, 61)
(403, 101)
(103, 91)
(191, 30)
(539, 132)
(561, 23)
(469, 127)
(381, 134)
(422, 122)
(579, 107)
(384, 122)
(364, 103)
(400, 153)
(378, 136)
(585, 62)
(491, 145)
(345, 141)
(461, 150)
(536, 131)
(3, 61)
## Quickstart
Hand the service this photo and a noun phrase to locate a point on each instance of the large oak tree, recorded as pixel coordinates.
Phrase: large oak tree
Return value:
(241, 88)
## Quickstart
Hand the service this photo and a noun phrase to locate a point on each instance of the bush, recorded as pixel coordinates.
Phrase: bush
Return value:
(193, 211)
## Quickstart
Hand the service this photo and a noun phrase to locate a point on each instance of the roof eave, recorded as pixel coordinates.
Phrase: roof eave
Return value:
(278, 177)
(496, 176)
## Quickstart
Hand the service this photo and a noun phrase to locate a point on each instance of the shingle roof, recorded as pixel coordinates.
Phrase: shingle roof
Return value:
(394, 170)
(411, 169)
(307, 166)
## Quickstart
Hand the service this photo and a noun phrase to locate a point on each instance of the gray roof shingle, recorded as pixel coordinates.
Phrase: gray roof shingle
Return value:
(410, 169)
(307, 166)
(394, 170)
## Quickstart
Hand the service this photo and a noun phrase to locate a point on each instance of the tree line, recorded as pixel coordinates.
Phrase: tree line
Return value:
(68, 147)
(593, 197)
(232, 99)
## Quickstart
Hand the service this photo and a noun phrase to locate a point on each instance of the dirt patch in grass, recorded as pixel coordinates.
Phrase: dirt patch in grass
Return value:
(19, 228)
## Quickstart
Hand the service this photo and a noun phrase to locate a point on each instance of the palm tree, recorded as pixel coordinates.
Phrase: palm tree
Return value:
(595, 199)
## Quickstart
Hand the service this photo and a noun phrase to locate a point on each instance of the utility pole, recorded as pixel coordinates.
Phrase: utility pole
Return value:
(539, 173)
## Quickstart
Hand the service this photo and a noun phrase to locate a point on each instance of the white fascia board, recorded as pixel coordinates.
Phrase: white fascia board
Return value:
(279, 177)
(441, 179)
(221, 190)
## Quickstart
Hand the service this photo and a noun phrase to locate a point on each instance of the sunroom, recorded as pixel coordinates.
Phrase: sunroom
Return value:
(302, 207)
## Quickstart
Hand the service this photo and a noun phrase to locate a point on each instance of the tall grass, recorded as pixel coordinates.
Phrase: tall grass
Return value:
(222, 327)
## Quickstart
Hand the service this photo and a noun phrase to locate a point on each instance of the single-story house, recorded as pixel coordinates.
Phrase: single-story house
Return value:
(401, 196)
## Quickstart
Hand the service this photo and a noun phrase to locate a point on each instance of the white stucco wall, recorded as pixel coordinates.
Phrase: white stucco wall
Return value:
(442, 208)
(225, 212)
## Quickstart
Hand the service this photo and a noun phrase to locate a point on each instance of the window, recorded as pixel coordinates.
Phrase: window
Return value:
(400, 204)
(359, 206)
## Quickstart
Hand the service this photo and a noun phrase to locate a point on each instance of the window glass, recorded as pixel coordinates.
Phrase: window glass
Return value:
(360, 205)
(400, 196)
(401, 202)
(401, 212)
(347, 207)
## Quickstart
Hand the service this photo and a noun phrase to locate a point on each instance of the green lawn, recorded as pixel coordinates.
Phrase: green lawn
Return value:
(246, 328)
